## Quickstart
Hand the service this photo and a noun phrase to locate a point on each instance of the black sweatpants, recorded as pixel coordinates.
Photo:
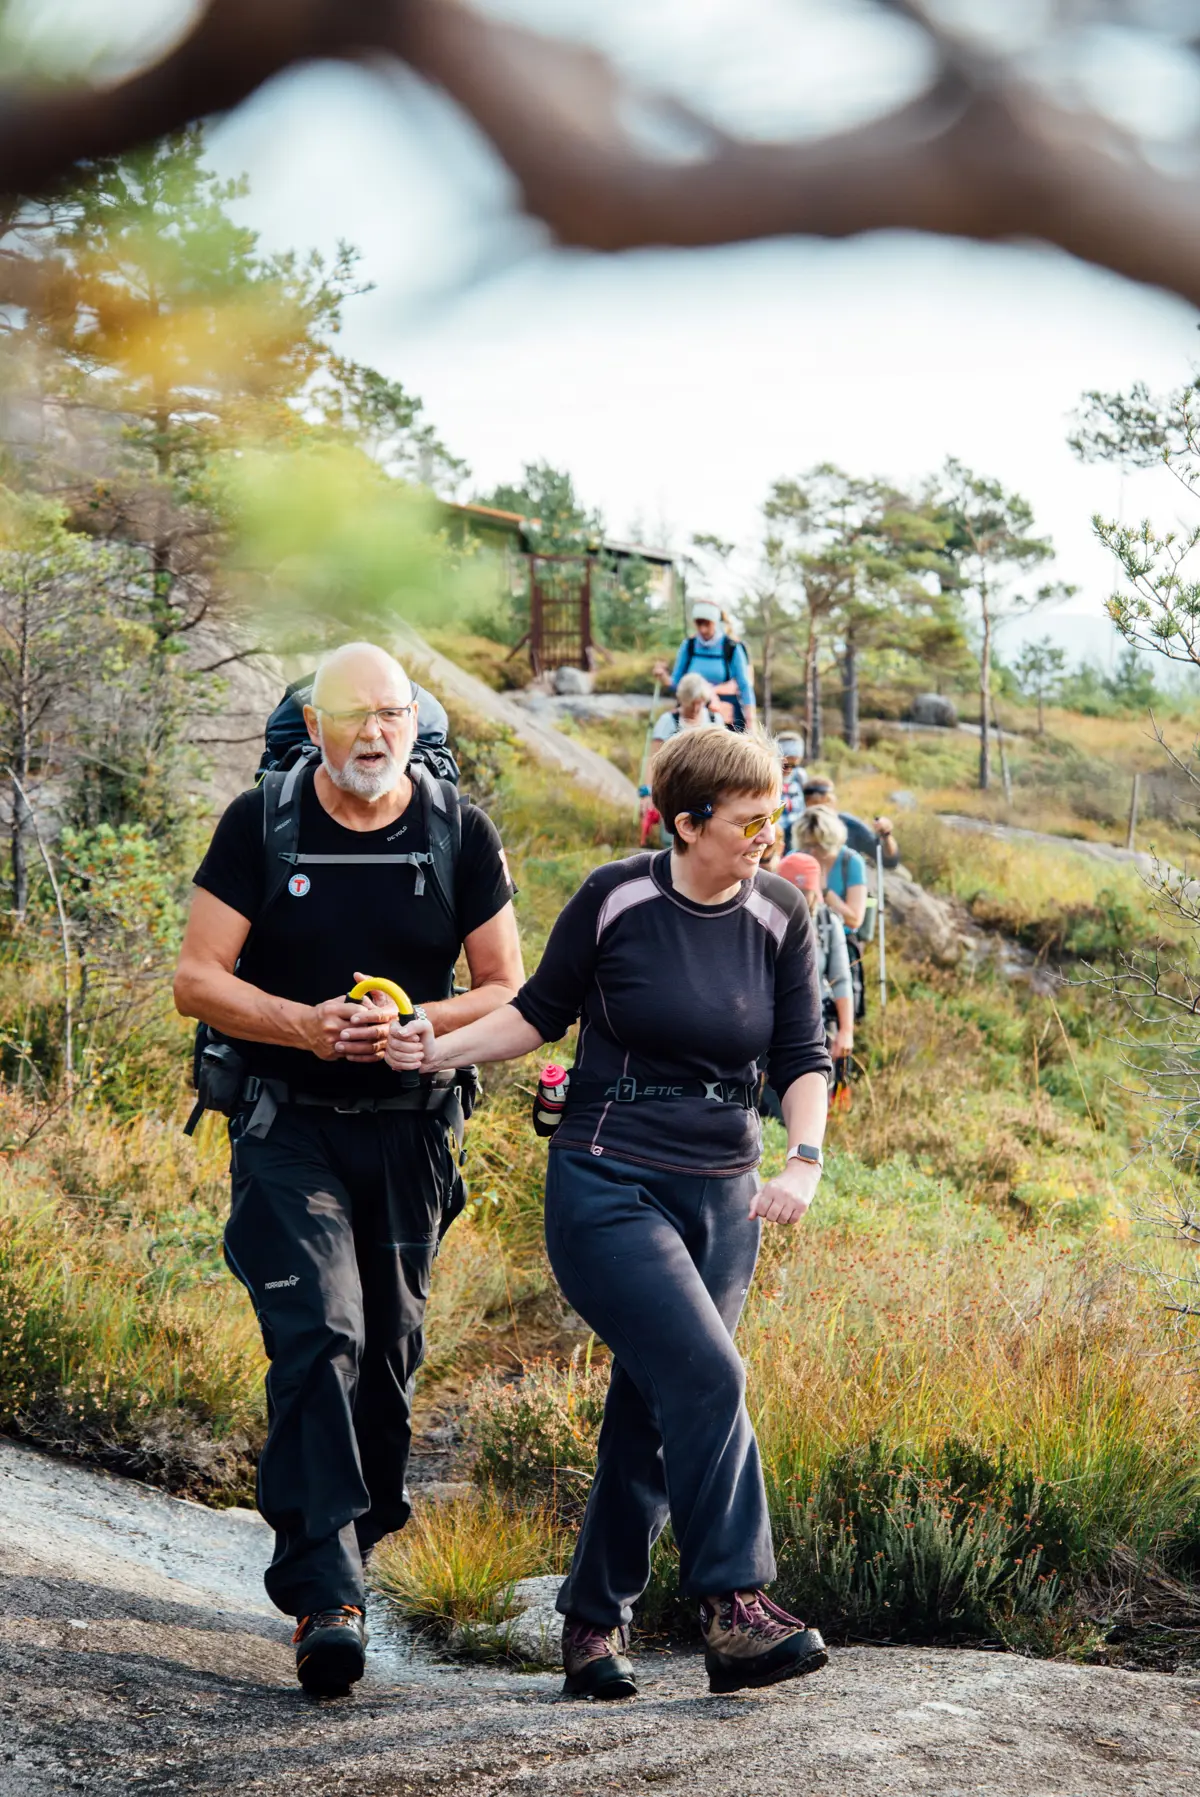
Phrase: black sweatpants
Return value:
(333, 1230)
(659, 1264)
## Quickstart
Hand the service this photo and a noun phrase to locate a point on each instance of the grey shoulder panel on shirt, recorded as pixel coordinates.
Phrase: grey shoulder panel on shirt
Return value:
(634, 891)
(773, 902)
(765, 911)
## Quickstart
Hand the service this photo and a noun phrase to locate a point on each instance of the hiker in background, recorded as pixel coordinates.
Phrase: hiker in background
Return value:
(714, 652)
(833, 961)
(689, 968)
(343, 1181)
(791, 754)
(823, 834)
(859, 836)
(695, 709)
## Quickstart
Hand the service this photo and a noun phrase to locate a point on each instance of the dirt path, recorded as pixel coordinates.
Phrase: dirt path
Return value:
(137, 1654)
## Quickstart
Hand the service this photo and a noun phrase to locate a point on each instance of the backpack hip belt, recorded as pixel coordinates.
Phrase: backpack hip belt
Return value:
(265, 1097)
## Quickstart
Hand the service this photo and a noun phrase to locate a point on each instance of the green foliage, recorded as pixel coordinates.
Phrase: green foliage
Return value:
(384, 419)
(114, 1336)
(556, 520)
(889, 1549)
(990, 544)
(1158, 605)
(557, 523)
(1039, 670)
(1131, 689)
(169, 316)
(324, 535)
(91, 702)
(535, 1438)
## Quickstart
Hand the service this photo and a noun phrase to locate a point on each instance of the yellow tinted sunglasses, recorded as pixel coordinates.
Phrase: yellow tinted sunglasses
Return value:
(755, 824)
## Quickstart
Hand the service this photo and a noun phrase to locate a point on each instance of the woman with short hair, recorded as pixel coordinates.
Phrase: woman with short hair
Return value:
(689, 967)
(694, 709)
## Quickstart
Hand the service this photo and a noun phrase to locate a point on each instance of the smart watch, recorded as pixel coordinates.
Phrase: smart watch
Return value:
(804, 1151)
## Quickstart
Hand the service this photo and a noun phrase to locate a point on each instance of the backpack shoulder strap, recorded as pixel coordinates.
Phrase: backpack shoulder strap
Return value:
(690, 656)
(728, 650)
(281, 791)
(441, 805)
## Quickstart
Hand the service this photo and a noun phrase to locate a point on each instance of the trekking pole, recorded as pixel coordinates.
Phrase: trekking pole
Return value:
(645, 763)
(881, 924)
(403, 1003)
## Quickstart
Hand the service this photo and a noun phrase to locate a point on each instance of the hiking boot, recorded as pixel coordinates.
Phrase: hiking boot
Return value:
(594, 1661)
(331, 1650)
(749, 1641)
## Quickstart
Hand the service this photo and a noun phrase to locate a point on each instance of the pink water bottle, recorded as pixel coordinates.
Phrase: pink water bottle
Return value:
(550, 1099)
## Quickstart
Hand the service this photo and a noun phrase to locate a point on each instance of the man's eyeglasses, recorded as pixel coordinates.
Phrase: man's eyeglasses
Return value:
(387, 714)
(753, 825)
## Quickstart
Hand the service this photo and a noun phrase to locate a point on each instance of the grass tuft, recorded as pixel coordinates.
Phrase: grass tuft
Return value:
(457, 1562)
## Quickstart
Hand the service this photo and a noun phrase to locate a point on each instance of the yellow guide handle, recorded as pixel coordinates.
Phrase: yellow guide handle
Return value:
(403, 1002)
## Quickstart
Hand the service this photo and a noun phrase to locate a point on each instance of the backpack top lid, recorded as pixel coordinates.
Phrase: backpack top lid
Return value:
(286, 732)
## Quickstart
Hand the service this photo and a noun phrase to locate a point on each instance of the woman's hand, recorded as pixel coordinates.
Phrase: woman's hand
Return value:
(843, 1044)
(409, 1047)
(785, 1198)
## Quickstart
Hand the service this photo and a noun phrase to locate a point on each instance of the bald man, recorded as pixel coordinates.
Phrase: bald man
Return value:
(342, 1181)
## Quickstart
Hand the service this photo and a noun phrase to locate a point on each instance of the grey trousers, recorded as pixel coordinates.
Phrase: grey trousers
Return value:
(659, 1265)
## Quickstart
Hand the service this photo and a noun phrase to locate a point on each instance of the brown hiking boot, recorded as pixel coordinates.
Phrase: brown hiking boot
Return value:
(594, 1661)
(748, 1641)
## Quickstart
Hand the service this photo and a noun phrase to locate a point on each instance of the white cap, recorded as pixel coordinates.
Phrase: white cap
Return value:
(704, 608)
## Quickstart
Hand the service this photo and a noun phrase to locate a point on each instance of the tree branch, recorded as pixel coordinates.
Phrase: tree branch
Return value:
(981, 155)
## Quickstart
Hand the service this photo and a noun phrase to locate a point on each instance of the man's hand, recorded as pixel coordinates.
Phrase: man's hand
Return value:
(883, 826)
(785, 1198)
(350, 1029)
(409, 1047)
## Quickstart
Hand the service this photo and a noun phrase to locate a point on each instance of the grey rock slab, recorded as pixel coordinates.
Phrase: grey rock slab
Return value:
(532, 1634)
(574, 758)
(183, 1681)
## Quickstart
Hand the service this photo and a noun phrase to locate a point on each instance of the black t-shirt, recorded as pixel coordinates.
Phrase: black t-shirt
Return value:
(309, 944)
(671, 990)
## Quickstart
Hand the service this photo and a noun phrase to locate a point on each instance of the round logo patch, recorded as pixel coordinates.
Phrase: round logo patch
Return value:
(298, 885)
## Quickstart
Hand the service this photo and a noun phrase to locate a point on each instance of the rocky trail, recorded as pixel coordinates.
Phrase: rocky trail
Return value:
(138, 1654)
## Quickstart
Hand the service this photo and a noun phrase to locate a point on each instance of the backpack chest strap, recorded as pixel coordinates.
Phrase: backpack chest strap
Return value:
(420, 860)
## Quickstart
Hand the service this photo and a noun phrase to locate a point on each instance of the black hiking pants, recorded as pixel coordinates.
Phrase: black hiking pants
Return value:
(333, 1229)
(659, 1264)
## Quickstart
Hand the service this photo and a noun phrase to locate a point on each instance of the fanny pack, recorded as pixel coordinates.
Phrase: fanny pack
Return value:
(589, 1089)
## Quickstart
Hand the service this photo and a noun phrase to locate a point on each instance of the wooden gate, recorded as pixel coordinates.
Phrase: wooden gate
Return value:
(560, 611)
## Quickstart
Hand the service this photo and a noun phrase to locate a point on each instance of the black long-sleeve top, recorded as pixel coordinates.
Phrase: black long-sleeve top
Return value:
(673, 991)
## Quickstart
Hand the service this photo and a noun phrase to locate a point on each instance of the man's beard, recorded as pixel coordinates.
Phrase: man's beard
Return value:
(365, 782)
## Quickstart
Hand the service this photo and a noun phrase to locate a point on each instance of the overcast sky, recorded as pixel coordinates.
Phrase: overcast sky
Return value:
(677, 386)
